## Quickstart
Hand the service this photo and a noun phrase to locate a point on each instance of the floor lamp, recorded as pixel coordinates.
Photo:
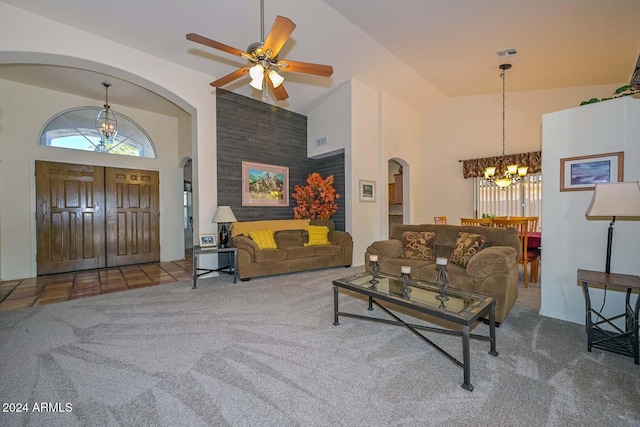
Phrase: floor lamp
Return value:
(612, 200)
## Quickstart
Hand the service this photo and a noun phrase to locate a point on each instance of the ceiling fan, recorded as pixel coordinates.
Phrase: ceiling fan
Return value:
(263, 56)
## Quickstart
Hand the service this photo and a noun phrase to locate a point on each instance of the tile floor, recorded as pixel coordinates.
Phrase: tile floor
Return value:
(15, 294)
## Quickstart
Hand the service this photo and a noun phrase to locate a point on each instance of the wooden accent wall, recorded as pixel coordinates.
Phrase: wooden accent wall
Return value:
(250, 130)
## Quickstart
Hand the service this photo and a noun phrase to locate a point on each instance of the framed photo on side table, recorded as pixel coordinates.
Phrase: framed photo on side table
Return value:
(367, 191)
(208, 240)
(584, 172)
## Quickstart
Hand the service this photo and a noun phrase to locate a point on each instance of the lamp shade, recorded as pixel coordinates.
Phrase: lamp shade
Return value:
(276, 78)
(619, 199)
(223, 215)
(257, 75)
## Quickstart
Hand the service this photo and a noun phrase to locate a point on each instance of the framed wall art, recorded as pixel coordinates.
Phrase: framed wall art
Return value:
(208, 240)
(367, 191)
(584, 172)
(264, 185)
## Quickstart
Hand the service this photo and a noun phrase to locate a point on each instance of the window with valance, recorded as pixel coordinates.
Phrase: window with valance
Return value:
(521, 199)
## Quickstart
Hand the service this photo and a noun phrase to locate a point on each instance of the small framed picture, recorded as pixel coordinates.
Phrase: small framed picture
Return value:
(208, 240)
(584, 172)
(367, 191)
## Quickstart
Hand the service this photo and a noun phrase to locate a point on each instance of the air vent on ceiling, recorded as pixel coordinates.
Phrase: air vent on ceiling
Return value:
(507, 53)
(321, 141)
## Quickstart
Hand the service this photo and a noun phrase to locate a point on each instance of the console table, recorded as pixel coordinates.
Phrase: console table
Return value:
(231, 269)
(616, 340)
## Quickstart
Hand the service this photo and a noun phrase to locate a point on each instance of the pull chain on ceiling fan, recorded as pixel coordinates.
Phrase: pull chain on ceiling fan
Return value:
(264, 57)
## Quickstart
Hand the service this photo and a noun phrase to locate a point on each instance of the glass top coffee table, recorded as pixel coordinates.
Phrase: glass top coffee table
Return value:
(463, 308)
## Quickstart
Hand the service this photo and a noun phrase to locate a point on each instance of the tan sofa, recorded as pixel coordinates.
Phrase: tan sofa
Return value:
(492, 271)
(291, 255)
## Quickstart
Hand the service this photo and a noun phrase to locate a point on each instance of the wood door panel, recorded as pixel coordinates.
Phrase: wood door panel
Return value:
(69, 217)
(133, 216)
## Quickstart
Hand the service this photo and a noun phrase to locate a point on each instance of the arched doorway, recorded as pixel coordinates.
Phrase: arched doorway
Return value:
(398, 192)
(187, 197)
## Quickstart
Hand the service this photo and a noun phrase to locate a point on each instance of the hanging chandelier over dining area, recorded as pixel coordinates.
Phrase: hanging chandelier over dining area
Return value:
(503, 175)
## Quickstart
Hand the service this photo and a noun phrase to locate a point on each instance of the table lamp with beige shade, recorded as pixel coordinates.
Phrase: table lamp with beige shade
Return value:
(614, 200)
(223, 216)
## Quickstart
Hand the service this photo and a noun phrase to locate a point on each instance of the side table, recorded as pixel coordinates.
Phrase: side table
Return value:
(615, 340)
(231, 269)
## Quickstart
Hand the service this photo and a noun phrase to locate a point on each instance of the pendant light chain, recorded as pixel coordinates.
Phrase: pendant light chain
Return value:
(106, 95)
(503, 119)
(512, 173)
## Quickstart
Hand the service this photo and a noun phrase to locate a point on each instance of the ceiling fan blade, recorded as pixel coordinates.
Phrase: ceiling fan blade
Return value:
(216, 45)
(306, 67)
(279, 34)
(280, 92)
(230, 77)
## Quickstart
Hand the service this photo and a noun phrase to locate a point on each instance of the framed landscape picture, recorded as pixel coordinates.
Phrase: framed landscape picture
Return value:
(264, 185)
(367, 191)
(584, 172)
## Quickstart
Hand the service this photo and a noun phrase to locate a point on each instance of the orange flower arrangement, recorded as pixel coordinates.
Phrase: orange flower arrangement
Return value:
(317, 199)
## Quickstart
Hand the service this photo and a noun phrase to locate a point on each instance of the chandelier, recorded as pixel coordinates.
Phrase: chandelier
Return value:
(106, 123)
(512, 173)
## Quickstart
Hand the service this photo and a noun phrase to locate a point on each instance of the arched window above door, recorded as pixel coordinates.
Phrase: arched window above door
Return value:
(75, 129)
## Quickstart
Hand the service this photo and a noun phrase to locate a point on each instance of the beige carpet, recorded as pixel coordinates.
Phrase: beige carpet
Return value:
(265, 353)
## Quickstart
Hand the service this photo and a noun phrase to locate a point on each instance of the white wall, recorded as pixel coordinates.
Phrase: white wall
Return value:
(371, 127)
(368, 218)
(470, 127)
(570, 241)
(401, 141)
(26, 37)
(25, 110)
(332, 120)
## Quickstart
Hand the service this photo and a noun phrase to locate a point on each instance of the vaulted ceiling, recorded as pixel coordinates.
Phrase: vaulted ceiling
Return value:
(416, 50)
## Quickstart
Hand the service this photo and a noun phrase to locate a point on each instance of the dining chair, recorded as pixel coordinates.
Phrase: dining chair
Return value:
(440, 220)
(477, 222)
(533, 223)
(527, 255)
(534, 248)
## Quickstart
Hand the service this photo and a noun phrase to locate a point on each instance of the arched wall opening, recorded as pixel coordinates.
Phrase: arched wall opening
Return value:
(19, 262)
(399, 192)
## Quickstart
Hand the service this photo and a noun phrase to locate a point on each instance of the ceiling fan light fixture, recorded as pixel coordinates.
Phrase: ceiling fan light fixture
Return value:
(257, 75)
(275, 78)
(265, 53)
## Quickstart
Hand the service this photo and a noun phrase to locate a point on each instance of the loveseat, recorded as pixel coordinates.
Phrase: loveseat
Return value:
(487, 265)
(297, 245)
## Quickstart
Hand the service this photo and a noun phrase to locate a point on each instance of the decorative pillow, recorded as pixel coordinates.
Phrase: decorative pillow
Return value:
(264, 239)
(467, 245)
(418, 245)
(288, 238)
(318, 235)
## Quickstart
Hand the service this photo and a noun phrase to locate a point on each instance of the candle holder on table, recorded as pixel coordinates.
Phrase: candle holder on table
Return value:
(442, 280)
(405, 270)
(373, 269)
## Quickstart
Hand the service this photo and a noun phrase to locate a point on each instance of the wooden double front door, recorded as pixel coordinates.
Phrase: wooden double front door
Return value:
(93, 217)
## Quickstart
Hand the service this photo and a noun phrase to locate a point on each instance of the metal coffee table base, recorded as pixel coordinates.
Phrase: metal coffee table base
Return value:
(466, 355)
